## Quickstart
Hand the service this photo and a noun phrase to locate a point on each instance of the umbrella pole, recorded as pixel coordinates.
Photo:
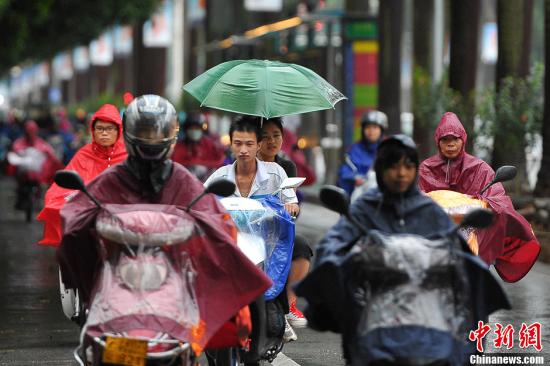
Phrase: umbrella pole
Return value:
(261, 122)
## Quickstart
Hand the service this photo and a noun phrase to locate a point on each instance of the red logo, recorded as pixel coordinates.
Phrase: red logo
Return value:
(505, 336)
(530, 336)
(479, 334)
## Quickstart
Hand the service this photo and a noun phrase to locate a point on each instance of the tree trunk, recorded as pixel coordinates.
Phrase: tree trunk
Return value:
(389, 69)
(543, 180)
(513, 56)
(464, 56)
(423, 59)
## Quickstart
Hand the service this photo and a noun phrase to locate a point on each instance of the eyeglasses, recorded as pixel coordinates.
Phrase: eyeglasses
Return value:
(102, 129)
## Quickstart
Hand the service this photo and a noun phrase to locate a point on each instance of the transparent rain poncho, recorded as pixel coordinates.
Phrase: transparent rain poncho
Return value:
(409, 282)
(147, 281)
(275, 227)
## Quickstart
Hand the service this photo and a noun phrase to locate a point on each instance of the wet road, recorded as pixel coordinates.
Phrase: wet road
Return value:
(34, 331)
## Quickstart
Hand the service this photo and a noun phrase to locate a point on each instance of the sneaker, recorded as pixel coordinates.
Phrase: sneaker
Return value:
(290, 334)
(295, 317)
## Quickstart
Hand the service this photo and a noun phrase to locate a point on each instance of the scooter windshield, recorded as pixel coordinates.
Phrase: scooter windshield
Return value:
(414, 281)
(266, 218)
(147, 280)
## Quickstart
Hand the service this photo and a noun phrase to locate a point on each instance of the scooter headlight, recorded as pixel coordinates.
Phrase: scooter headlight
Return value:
(143, 273)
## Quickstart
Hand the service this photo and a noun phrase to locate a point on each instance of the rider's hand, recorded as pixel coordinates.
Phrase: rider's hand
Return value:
(292, 208)
(359, 181)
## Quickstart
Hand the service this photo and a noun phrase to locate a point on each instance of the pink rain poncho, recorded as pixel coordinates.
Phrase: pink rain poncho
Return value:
(509, 243)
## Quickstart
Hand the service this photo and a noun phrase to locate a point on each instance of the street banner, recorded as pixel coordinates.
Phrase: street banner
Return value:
(42, 74)
(101, 50)
(63, 66)
(263, 5)
(157, 31)
(196, 10)
(489, 43)
(123, 40)
(81, 58)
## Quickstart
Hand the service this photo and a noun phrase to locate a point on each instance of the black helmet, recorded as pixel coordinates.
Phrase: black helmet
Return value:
(376, 118)
(193, 119)
(150, 128)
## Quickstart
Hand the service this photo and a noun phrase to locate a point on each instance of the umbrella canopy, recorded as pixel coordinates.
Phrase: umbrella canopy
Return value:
(263, 88)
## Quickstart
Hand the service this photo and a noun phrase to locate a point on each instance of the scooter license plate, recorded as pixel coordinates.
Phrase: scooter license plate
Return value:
(125, 351)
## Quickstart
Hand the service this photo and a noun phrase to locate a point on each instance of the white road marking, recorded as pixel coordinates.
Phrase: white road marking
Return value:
(283, 360)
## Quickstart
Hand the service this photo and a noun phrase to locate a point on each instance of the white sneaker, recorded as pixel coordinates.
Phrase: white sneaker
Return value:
(290, 334)
(295, 317)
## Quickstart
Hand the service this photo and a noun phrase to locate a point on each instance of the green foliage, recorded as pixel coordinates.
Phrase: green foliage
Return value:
(91, 105)
(38, 29)
(431, 100)
(515, 111)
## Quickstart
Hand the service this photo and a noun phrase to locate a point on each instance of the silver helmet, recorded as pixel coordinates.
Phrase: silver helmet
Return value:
(150, 128)
(376, 118)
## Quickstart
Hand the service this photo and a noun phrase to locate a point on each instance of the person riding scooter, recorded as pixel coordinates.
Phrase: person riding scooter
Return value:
(105, 150)
(148, 176)
(344, 288)
(360, 157)
(197, 151)
(510, 243)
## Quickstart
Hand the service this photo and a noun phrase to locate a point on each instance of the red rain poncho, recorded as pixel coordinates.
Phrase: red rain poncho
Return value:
(205, 152)
(226, 281)
(89, 162)
(509, 243)
(51, 162)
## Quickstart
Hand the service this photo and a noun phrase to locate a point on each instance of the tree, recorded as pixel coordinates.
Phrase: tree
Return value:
(543, 181)
(423, 52)
(514, 46)
(389, 68)
(464, 55)
(35, 30)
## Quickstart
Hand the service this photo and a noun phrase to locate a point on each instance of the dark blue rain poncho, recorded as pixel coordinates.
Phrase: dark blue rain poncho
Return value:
(335, 300)
(359, 160)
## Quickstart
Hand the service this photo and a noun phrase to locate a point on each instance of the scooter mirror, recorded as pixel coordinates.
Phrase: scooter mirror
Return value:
(221, 187)
(479, 219)
(335, 198)
(503, 174)
(294, 182)
(69, 179)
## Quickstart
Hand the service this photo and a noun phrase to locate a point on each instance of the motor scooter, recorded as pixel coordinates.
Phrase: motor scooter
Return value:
(401, 299)
(266, 237)
(149, 304)
(28, 163)
(457, 205)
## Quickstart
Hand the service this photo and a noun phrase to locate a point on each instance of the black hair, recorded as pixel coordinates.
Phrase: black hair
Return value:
(192, 119)
(246, 124)
(277, 122)
(391, 152)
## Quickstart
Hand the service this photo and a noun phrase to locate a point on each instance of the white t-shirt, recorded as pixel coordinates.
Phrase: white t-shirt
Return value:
(268, 179)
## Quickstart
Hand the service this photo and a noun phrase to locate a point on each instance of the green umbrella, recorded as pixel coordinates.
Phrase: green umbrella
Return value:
(263, 88)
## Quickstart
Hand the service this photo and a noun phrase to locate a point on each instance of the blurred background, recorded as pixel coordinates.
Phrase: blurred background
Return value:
(412, 59)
